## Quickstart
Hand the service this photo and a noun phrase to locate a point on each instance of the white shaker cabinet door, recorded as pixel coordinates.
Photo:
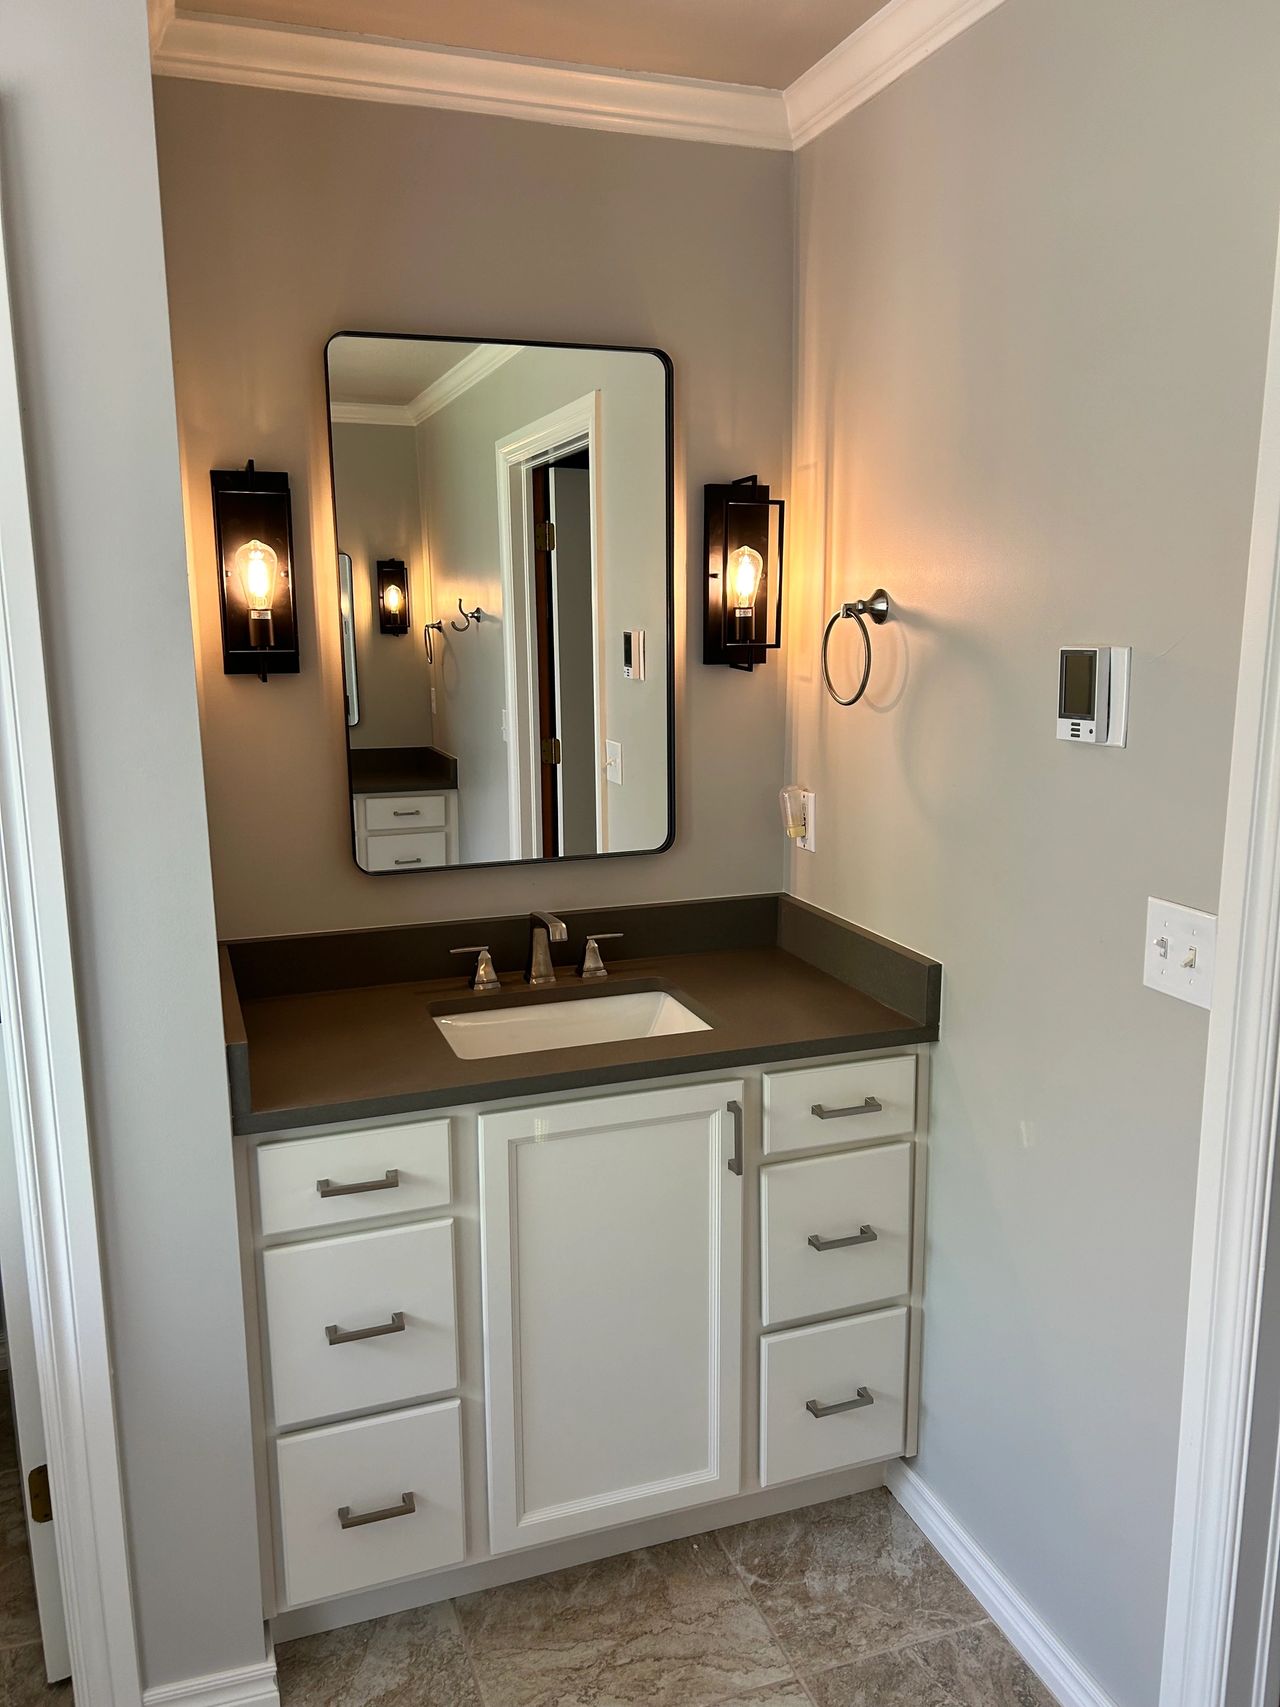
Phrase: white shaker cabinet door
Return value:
(611, 1240)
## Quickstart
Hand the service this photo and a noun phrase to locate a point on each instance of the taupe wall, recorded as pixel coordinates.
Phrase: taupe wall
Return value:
(1034, 285)
(82, 219)
(385, 218)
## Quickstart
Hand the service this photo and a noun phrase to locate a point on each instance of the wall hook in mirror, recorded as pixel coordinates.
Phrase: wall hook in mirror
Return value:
(428, 629)
(877, 608)
(468, 616)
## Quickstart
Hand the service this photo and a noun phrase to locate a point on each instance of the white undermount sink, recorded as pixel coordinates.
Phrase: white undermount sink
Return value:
(566, 1024)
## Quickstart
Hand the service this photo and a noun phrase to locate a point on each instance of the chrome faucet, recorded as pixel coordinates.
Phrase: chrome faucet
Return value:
(544, 929)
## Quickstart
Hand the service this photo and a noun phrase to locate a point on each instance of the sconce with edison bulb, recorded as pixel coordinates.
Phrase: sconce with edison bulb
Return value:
(393, 596)
(254, 538)
(743, 586)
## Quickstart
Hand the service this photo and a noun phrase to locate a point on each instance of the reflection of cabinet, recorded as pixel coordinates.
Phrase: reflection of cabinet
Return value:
(399, 832)
(613, 1309)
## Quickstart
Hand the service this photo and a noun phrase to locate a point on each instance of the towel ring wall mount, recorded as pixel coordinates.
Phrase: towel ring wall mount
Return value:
(877, 608)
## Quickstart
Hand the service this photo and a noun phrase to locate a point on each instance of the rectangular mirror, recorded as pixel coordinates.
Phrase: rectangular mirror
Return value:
(504, 537)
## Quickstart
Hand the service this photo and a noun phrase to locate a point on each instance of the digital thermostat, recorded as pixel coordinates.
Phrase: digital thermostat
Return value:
(1093, 695)
(633, 654)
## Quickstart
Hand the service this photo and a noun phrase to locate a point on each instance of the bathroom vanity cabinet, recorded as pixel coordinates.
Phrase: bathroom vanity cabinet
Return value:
(502, 1337)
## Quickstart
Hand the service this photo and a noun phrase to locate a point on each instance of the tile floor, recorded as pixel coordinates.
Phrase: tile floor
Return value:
(843, 1605)
(22, 1679)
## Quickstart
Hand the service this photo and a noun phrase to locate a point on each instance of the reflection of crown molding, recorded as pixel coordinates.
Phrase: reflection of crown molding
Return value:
(371, 68)
(477, 365)
(892, 40)
(217, 49)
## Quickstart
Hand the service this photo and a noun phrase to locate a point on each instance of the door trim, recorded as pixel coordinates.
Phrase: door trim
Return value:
(1207, 1589)
(41, 1042)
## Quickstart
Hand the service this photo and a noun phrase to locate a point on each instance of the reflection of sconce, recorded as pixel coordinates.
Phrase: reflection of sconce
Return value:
(743, 549)
(254, 539)
(393, 596)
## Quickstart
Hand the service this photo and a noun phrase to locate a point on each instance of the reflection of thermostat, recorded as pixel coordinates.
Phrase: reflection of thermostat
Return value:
(633, 654)
(1093, 695)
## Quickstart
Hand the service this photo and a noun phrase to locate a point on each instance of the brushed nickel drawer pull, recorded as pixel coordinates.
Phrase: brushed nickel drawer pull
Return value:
(388, 1182)
(735, 1161)
(870, 1106)
(866, 1235)
(816, 1408)
(343, 1336)
(406, 812)
(408, 1505)
(417, 861)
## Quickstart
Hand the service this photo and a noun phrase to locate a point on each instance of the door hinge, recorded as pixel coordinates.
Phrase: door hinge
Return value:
(551, 751)
(38, 1497)
(544, 536)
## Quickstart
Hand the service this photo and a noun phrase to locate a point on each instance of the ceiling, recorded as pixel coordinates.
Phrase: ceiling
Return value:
(768, 43)
(389, 370)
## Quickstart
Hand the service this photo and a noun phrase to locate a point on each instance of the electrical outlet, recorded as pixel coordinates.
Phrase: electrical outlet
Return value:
(1180, 953)
(613, 762)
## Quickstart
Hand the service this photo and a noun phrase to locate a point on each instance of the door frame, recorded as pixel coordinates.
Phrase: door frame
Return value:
(46, 1089)
(571, 427)
(1211, 1581)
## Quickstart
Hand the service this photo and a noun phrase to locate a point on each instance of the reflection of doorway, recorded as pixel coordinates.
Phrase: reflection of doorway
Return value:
(553, 622)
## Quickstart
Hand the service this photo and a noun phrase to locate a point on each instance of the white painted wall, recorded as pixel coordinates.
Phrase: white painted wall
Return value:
(1034, 282)
(83, 225)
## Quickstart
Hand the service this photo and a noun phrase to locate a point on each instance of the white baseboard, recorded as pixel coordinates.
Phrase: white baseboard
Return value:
(1056, 1667)
(247, 1686)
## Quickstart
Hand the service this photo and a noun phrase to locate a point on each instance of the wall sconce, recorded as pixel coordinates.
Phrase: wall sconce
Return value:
(393, 596)
(253, 532)
(743, 549)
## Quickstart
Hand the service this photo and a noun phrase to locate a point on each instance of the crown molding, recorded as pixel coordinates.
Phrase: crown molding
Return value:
(368, 68)
(889, 44)
(478, 364)
(215, 49)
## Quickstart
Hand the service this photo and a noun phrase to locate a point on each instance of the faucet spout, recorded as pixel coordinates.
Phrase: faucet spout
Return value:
(544, 929)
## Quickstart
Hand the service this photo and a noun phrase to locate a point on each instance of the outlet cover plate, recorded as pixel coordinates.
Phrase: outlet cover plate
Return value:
(1180, 952)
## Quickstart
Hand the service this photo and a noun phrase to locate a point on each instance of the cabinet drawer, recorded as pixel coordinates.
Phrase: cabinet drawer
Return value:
(395, 853)
(862, 1359)
(363, 1469)
(847, 1094)
(404, 811)
(399, 1279)
(862, 1195)
(306, 1183)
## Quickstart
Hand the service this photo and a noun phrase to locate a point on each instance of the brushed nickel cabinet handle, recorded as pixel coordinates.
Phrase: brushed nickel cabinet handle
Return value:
(816, 1408)
(388, 1182)
(343, 1336)
(870, 1106)
(864, 1236)
(417, 861)
(735, 1161)
(406, 812)
(408, 1505)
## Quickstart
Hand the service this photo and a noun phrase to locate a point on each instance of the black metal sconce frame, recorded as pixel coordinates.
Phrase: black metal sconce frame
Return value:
(740, 514)
(250, 504)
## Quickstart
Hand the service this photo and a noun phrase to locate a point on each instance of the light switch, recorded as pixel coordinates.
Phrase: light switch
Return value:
(1180, 952)
(613, 762)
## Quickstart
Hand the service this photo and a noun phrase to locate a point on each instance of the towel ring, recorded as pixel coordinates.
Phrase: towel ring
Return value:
(877, 608)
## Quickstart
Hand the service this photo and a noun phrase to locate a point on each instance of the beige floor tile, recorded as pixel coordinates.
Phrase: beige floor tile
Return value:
(23, 1683)
(841, 1581)
(411, 1659)
(978, 1668)
(19, 1621)
(885, 1680)
(773, 1695)
(668, 1626)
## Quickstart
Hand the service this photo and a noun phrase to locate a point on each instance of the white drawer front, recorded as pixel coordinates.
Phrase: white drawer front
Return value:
(365, 1468)
(847, 1095)
(306, 1183)
(809, 1209)
(861, 1359)
(420, 848)
(404, 811)
(319, 1296)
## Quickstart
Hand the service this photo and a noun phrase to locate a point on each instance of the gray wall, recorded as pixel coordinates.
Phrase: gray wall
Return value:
(376, 478)
(82, 220)
(397, 219)
(1034, 286)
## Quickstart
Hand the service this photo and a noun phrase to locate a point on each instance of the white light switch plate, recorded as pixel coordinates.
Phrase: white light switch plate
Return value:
(1181, 948)
(613, 762)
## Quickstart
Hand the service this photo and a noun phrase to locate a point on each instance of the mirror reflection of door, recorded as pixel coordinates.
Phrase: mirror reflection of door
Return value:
(563, 607)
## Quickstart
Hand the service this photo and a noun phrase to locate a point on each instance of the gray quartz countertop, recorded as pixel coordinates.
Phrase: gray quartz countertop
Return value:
(333, 1055)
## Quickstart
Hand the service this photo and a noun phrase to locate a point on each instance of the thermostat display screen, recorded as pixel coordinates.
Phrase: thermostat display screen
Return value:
(1078, 684)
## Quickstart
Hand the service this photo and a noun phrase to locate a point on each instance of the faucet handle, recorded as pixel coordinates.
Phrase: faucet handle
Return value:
(591, 965)
(484, 977)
